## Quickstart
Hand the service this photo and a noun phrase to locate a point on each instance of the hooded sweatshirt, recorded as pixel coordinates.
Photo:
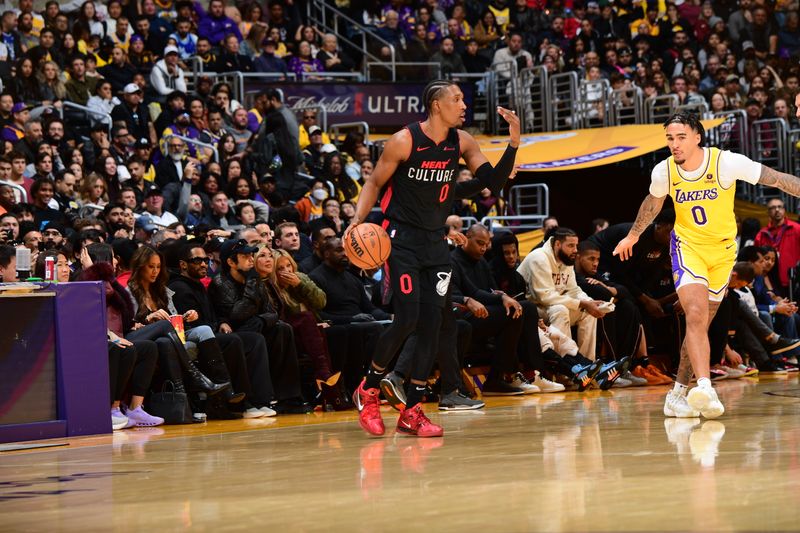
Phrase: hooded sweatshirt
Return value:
(549, 281)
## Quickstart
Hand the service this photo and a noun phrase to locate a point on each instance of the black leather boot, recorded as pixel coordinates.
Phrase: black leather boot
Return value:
(197, 381)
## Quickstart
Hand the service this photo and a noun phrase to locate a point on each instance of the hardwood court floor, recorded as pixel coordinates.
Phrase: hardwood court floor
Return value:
(598, 461)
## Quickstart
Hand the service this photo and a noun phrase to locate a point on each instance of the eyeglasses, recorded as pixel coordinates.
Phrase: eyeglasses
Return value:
(176, 146)
(199, 260)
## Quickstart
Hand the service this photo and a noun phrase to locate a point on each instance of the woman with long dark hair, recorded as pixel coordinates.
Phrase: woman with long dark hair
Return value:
(347, 190)
(25, 86)
(152, 304)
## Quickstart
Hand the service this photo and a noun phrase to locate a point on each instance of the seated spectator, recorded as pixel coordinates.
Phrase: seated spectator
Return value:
(167, 76)
(241, 300)
(239, 129)
(14, 131)
(330, 218)
(311, 204)
(80, 86)
(220, 214)
(154, 207)
(318, 236)
(268, 61)
(333, 59)
(287, 237)
(245, 353)
(303, 64)
(230, 60)
(354, 330)
(119, 72)
(185, 40)
(214, 24)
(550, 275)
(8, 263)
(447, 57)
(42, 192)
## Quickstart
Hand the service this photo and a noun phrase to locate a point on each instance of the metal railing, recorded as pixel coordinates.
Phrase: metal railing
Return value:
(506, 92)
(534, 99)
(594, 103)
(530, 199)
(627, 106)
(356, 77)
(563, 91)
(522, 222)
(195, 142)
(769, 144)
(732, 134)
(329, 19)
(483, 96)
(22, 194)
(340, 127)
(407, 70)
(659, 108)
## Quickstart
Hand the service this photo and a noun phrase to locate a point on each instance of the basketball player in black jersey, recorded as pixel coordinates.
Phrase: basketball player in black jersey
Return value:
(417, 174)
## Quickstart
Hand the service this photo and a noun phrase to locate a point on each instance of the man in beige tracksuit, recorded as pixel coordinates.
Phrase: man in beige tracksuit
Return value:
(550, 276)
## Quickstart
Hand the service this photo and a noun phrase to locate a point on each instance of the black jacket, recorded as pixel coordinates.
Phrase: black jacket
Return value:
(191, 294)
(239, 304)
(137, 122)
(346, 296)
(472, 279)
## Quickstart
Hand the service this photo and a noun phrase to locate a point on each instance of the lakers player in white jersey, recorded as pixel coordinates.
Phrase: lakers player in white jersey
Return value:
(702, 184)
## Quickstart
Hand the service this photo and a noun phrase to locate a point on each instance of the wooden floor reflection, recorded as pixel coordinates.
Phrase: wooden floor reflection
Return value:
(599, 461)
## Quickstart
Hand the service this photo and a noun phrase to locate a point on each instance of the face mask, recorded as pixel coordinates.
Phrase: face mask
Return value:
(319, 194)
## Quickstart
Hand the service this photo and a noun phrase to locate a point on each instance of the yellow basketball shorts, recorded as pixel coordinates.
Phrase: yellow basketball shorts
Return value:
(707, 264)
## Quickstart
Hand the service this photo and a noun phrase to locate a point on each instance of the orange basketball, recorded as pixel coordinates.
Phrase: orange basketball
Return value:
(367, 246)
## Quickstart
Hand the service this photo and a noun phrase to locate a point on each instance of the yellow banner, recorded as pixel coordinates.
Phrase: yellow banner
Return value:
(576, 149)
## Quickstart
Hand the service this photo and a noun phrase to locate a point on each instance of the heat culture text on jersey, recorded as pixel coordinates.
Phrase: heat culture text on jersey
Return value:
(421, 191)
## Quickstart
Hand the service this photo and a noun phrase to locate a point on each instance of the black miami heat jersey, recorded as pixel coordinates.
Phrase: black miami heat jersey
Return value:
(420, 193)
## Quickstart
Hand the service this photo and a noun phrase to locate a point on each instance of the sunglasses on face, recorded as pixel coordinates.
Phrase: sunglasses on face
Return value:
(199, 260)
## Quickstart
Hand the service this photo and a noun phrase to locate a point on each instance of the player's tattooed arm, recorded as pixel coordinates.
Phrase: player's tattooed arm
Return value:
(648, 211)
(784, 182)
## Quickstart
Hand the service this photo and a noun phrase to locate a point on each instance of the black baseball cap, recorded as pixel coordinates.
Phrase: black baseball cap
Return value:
(232, 247)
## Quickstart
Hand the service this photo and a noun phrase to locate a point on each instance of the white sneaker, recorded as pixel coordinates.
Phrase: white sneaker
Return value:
(118, 420)
(253, 412)
(675, 405)
(545, 385)
(520, 382)
(267, 411)
(705, 400)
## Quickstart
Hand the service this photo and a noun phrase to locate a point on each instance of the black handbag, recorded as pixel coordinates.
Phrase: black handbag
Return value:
(172, 406)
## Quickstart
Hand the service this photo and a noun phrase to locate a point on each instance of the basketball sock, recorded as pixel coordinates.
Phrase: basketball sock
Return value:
(414, 395)
(374, 377)
(704, 382)
(679, 389)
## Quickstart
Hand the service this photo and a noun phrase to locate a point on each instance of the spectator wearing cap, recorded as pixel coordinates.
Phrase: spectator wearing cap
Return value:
(242, 300)
(80, 86)
(140, 56)
(267, 61)
(313, 154)
(144, 230)
(15, 131)
(733, 91)
(230, 60)
(308, 120)
(133, 113)
(748, 54)
(54, 235)
(214, 25)
(154, 205)
(119, 71)
(167, 76)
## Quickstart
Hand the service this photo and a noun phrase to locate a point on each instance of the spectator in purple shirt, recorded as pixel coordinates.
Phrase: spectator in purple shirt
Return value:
(214, 24)
(303, 62)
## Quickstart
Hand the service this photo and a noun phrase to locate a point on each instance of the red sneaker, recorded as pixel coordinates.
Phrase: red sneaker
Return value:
(414, 422)
(369, 412)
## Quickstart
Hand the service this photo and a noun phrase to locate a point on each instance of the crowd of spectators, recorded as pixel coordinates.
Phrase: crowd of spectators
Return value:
(245, 244)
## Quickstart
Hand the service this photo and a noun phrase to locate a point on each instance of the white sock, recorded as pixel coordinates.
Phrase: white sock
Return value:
(679, 389)
(704, 382)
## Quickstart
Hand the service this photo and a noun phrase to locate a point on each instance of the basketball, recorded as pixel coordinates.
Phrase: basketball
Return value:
(367, 246)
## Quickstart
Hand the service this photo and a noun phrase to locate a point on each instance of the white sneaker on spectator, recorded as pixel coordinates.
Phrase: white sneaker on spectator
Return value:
(267, 411)
(118, 420)
(675, 405)
(520, 382)
(545, 385)
(253, 412)
(705, 400)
